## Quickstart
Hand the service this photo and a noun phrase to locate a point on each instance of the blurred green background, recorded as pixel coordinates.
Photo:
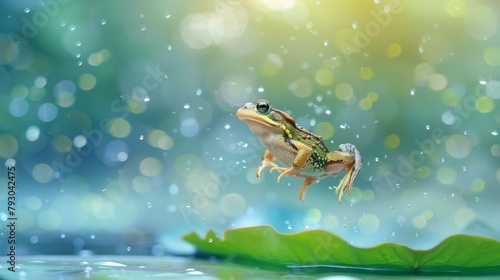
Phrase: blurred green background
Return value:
(120, 119)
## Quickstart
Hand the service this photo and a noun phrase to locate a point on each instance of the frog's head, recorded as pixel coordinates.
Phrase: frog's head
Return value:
(263, 119)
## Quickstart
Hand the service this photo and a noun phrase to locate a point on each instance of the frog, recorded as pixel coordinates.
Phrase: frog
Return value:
(302, 153)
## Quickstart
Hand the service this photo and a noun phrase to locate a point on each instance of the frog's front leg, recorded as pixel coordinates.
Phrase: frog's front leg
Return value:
(348, 156)
(267, 161)
(300, 160)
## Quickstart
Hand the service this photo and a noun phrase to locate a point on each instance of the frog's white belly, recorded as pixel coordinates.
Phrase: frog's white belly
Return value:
(283, 152)
(286, 154)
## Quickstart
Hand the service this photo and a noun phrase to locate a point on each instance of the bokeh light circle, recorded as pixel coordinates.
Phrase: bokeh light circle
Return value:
(116, 151)
(150, 167)
(368, 223)
(232, 205)
(8, 146)
(435, 48)
(42, 173)
(160, 139)
(119, 127)
(301, 87)
(344, 91)
(481, 22)
(325, 129)
(49, 220)
(47, 112)
(189, 127)
(458, 146)
(18, 107)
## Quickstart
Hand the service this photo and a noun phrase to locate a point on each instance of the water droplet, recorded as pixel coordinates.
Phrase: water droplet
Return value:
(79, 63)
(63, 235)
(141, 137)
(393, 233)
(476, 199)
(427, 127)
(186, 106)
(78, 43)
(92, 236)
(27, 10)
(169, 47)
(128, 249)
(227, 126)
(168, 15)
(72, 27)
(412, 92)
(494, 133)
(210, 240)
(289, 227)
(143, 27)
(260, 89)
(62, 24)
(103, 21)
(199, 92)
(344, 126)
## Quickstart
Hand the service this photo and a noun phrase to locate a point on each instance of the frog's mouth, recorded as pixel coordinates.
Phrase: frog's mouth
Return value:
(255, 118)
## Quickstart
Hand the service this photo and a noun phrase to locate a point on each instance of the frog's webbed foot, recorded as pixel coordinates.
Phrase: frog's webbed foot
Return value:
(352, 169)
(267, 161)
(282, 170)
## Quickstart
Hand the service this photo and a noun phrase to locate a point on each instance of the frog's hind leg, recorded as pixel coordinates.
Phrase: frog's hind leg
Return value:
(308, 181)
(352, 170)
(345, 183)
(267, 161)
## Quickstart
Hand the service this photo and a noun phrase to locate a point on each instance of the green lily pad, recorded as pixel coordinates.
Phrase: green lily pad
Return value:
(318, 248)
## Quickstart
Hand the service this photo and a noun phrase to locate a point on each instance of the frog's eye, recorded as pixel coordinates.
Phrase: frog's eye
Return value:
(263, 107)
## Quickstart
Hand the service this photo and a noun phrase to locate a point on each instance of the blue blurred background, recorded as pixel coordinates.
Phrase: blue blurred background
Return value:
(120, 119)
